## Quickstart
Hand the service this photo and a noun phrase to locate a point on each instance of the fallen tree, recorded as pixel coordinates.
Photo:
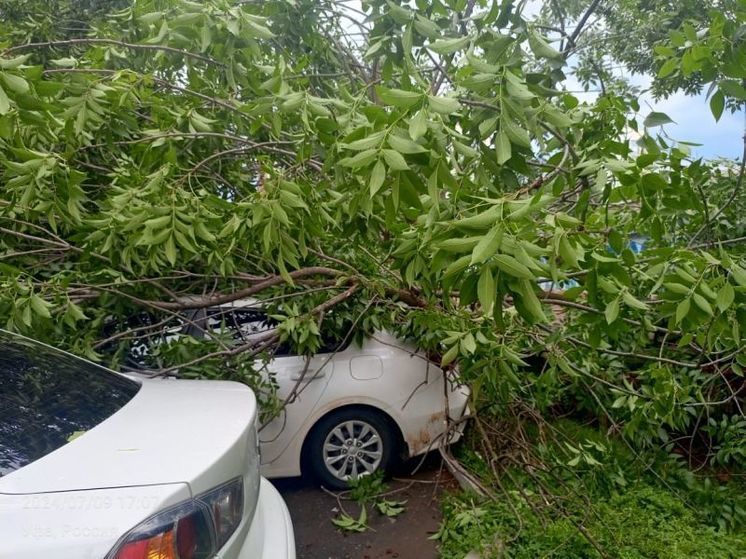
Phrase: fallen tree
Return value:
(417, 169)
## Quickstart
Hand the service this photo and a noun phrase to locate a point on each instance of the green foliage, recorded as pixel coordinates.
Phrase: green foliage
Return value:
(430, 175)
(629, 504)
(349, 524)
(368, 490)
(643, 522)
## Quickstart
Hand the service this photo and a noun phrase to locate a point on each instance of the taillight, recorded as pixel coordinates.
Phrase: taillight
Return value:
(196, 529)
(226, 508)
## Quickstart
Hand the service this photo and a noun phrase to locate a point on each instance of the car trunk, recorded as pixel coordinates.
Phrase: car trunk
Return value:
(197, 432)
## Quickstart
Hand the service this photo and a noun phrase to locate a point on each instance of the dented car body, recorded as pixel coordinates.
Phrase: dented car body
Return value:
(350, 409)
(386, 375)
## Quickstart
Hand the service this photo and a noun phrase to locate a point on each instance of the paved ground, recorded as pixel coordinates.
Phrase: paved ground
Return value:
(405, 537)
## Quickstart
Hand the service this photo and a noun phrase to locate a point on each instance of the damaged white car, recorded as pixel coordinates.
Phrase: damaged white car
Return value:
(351, 410)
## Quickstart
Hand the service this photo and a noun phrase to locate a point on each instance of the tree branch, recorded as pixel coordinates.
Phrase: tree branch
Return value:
(214, 300)
(112, 42)
(579, 28)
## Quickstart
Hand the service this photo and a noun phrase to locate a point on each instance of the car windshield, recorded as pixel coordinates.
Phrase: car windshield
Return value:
(48, 397)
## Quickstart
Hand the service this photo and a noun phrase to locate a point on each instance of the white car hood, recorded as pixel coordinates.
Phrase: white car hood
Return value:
(172, 431)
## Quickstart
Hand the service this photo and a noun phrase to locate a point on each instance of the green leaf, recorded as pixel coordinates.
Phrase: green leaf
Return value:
(732, 88)
(40, 306)
(75, 312)
(399, 14)
(463, 149)
(486, 127)
(449, 355)
(486, 290)
(404, 145)
(15, 83)
(365, 143)
(682, 309)
(67, 62)
(10, 63)
(205, 38)
(725, 297)
(557, 117)
(418, 124)
(377, 177)
(531, 302)
(717, 104)
(459, 244)
(258, 31)
(394, 160)
(346, 522)
(677, 288)
(158, 222)
(657, 119)
(502, 147)
(468, 344)
(398, 97)
(567, 252)
(631, 301)
(512, 267)
(391, 508)
(487, 246)
(360, 160)
(443, 105)
(668, 67)
(518, 90)
(619, 402)
(457, 266)
(4, 102)
(612, 311)
(170, 249)
(447, 46)
(702, 303)
(541, 48)
(426, 27)
(516, 134)
(739, 274)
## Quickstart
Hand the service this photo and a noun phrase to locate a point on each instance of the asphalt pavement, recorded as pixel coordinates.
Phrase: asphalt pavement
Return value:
(404, 537)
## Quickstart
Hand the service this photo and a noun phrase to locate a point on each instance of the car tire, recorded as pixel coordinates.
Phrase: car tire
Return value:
(351, 442)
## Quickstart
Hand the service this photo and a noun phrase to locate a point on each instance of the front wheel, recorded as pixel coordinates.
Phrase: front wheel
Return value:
(348, 444)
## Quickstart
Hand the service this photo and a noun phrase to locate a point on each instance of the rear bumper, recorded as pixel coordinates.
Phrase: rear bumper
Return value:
(426, 422)
(458, 404)
(271, 533)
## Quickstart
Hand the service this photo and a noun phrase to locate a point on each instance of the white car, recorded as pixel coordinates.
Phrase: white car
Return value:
(351, 410)
(96, 465)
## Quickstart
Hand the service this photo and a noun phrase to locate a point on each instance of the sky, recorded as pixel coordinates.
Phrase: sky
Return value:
(693, 121)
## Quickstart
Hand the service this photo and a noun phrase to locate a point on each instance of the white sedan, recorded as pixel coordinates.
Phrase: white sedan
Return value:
(96, 465)
(351, 409)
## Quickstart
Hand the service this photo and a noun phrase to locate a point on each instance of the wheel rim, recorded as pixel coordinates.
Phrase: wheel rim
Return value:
(352, 449)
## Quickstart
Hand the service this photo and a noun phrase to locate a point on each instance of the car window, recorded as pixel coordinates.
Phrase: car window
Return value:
(138, 337)
(245, 323)
(48, 397)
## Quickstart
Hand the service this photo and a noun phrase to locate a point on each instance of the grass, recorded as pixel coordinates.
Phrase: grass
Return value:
(613, 509)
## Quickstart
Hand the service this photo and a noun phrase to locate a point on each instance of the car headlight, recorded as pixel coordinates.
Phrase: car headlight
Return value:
(195, 529)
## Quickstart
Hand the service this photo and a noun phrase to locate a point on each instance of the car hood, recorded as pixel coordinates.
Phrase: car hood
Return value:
(172, 431)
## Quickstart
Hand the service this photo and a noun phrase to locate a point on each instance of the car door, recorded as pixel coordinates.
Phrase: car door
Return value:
(301, 383)
(301, 380)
